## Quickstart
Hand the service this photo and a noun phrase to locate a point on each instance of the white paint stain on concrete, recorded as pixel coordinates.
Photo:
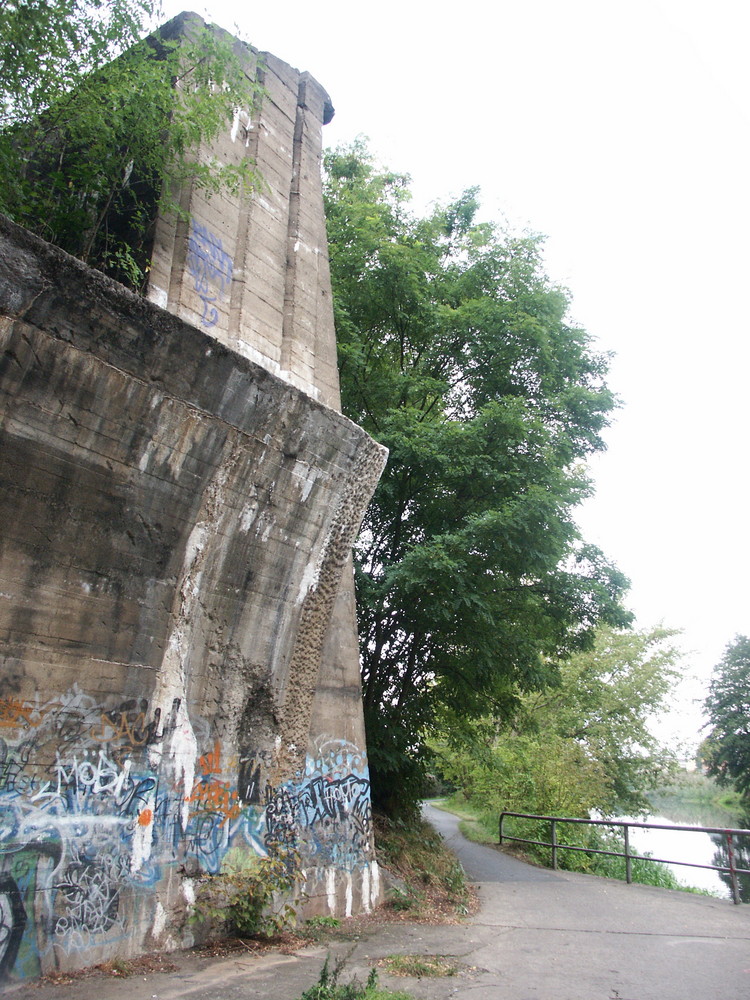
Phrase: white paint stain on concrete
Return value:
(311, 572)
(306, 477)
(183, 750)
(249, 512)
(295, 379)
(366, 900)
(179, 746)
(158, 296)
(331, 889)
(374, 883)
(188, 891)
(267, 205)
(265, 524)
(143, 834)
(308, 581)
(234, 131)
(160, 920)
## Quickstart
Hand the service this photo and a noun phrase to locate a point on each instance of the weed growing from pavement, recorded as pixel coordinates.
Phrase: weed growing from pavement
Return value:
(328, 986)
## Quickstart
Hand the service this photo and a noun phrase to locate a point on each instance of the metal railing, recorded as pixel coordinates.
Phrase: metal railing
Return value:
(729, 835)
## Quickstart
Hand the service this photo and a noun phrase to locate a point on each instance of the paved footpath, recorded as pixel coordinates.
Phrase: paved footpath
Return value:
(539, 935)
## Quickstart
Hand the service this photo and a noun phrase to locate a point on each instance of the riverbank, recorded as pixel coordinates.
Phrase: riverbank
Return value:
(696, 799)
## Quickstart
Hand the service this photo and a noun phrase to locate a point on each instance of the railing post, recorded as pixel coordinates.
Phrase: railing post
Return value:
(732, 870)
(554, 845)
(500, 832)
(628, 865)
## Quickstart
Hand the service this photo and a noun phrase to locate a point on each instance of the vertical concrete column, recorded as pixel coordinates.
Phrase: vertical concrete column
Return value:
(309, 339)
(251, 268)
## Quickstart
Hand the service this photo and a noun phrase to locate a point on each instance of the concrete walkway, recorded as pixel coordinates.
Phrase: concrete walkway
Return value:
(539, 935)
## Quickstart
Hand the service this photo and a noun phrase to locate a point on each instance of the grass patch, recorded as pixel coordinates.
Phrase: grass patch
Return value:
(420, 966)
(118, 967)
(433, 883)
(319, 928)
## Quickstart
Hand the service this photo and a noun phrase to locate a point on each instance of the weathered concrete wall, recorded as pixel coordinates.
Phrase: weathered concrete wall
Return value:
(176, 675)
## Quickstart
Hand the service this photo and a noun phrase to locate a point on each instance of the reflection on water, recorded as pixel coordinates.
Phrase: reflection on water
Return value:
(686, 812)
(741, 847)
(696, 848)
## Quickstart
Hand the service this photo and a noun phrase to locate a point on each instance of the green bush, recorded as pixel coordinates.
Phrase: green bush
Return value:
(252, 894)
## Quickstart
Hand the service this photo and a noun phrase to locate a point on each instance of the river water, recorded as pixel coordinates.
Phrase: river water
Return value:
(694, 847)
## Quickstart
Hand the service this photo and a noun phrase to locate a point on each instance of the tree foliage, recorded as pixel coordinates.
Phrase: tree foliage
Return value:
(604, 702)
(727, 746)
(96, 125)
(456, 353)
(583, 743)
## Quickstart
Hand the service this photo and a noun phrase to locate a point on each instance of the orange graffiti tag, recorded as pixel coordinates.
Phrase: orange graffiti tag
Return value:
(135, 732)
(14, 712)
(216, 796)
(211, 762)
(145, 816)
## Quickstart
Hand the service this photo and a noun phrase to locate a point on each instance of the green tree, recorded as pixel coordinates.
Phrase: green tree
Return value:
(47, 47)
(727, 747)
(455, 352)
(580, 745)
(97, 126)
(605, 702)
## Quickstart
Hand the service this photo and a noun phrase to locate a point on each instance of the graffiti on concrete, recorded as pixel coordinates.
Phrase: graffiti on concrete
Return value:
(81, 792)
(88, 896)
(12, 922)
(210, 267)
(327, 814)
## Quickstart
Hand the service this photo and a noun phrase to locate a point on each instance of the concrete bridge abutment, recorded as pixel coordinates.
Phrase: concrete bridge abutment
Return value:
(179, 494)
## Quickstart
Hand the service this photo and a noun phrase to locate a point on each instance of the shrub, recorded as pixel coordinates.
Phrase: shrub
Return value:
(252, 894)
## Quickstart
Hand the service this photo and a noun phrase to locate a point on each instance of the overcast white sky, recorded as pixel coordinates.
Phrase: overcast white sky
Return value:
(619, 130)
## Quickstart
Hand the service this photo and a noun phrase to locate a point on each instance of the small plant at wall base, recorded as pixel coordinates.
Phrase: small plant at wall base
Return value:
(253, 896)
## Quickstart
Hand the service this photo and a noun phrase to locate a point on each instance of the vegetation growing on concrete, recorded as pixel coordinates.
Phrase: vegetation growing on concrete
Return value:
(97, 125)
(253, 896)
(420, 966)
(329, 987)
